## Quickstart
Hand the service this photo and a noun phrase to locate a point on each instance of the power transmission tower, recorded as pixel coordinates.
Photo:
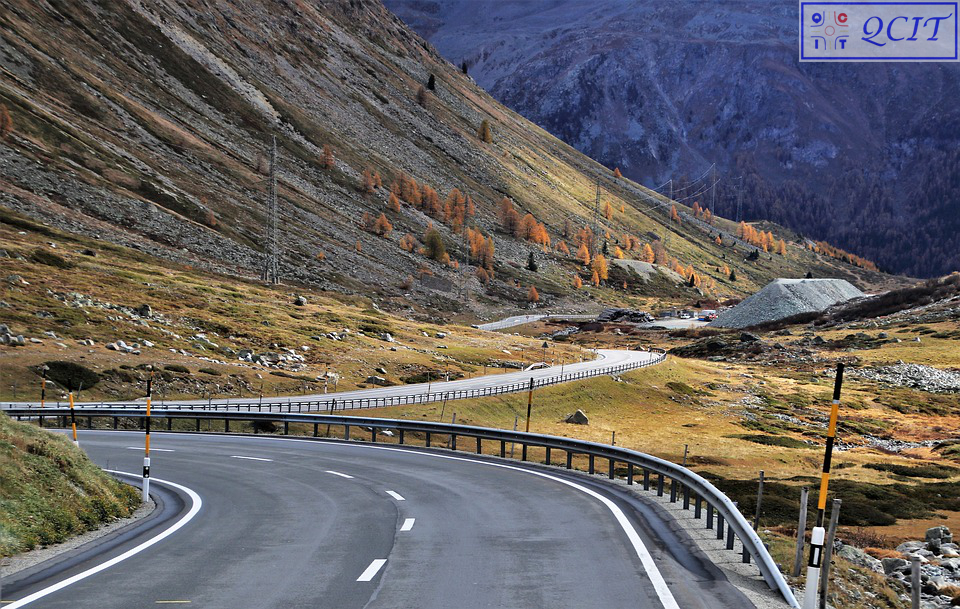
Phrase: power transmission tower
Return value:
(271, 272)
(740, 200)
(713, 191)
(596, 218)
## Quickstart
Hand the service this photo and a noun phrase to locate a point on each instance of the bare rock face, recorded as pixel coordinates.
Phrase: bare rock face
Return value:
(577, 418)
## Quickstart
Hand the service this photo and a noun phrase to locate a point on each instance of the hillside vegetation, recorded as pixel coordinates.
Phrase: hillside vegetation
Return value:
(150, 125)
(50, 490)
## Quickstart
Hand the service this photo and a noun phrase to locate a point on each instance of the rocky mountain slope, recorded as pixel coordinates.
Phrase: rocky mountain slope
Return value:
(149, 125)
(862, 155)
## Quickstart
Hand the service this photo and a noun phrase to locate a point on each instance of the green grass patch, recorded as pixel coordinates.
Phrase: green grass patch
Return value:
(50, 490)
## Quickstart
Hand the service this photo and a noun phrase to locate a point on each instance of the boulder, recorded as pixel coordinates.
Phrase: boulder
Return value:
(748, 337)
(387, 337)
(890, 565)
(144, 310)
(940, 533)
(299, 301)
(577, 418)
(377, 380)
(860, 558)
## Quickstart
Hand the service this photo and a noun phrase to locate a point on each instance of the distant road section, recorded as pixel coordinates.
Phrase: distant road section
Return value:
(519, 320)
(438, 390)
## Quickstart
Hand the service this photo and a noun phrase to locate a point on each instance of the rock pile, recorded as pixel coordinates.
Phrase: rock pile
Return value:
(917, 376)
(13, 340)
(625, 316)
(939, 567)
(784, 298)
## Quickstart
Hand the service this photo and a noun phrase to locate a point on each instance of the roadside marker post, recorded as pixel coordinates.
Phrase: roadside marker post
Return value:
(146, 445)
(529, 404)
(73, 422)
(811, 593)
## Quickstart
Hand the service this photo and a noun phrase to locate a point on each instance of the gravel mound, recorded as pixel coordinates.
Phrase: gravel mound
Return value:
(786, 297)
(917, 376)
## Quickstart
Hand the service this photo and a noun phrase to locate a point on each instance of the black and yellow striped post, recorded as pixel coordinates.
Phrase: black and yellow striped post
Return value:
(529, 404)
(73, 422)
(818, 533)
(146, 444)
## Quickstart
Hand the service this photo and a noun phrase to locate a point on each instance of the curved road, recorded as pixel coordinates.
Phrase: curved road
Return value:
(605, 358)
(292, 523)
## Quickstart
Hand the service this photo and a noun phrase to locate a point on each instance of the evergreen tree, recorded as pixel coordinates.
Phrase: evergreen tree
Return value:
(433, 246)
(809, 275)
(463, 66)
(733, 275)
(532, 263)
(432, 83)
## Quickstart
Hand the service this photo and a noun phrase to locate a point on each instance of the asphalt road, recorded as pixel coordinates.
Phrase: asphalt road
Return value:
(519, 320)
(605, 358)
(291, 524)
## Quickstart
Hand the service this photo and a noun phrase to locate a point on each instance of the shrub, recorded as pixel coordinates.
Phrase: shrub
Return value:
(927, 470)
(264, 426)
(45, 256)
(210, 371)
(70, 375)
(177, 368)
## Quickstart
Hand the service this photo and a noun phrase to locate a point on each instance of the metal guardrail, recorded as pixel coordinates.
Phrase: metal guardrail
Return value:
(684, 484)
(333, 404)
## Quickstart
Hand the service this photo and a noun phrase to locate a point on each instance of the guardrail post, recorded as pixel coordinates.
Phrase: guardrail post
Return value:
(169, 423)
(428, 440)
(697, 505)
(548, 455)
(612, 464)
(400, 438)
(116, 422)
(673, 491)
(659, 485)
(286, 428)
(198, 423)
(346, 432)
(89, 422)
(686, 497)
(479, 446)
(316, 430)
(569, 460)
(373, 435)
(523, 452)
(630, 473)
(503, 449)
(590, 469)
(709, 515)
(719, 525)
(453, 441)
(226, 426)
(730, 532)
(646, 479)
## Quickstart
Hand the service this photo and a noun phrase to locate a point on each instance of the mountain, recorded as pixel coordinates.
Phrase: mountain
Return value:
(862, 155)
(150, 125)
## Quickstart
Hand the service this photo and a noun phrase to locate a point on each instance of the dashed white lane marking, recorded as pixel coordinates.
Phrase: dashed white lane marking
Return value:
(195, 505)
(395, 495)
(408, 524)
(249, 458)
(159, 450)
(330, 471)
(372, 570)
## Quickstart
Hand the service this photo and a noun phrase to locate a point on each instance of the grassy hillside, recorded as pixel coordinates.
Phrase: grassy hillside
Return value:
(50, 490)
(150, 127)
(60, 290)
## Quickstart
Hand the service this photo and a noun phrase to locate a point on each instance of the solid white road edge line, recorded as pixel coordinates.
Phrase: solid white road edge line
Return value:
(395, 495)
(408, 524)
(159, 450)
(330, 471)
(194, 509)
(372, 570)
(249, 458)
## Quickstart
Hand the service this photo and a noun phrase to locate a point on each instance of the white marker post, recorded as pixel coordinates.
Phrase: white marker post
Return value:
(146, 445)
(811, 593)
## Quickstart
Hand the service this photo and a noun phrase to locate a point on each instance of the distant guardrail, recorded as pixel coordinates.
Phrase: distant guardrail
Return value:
(709, 504)
(334, 404)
